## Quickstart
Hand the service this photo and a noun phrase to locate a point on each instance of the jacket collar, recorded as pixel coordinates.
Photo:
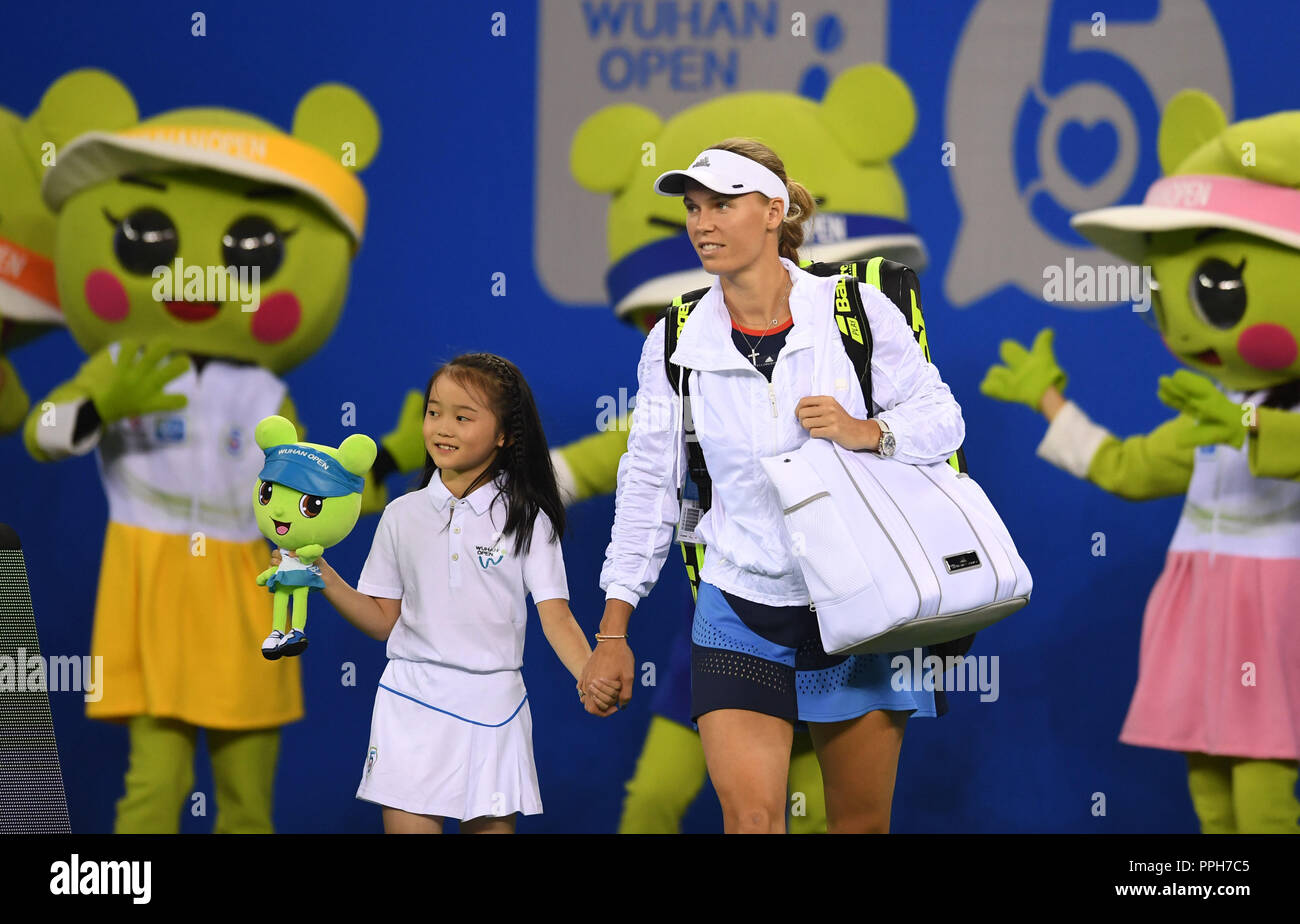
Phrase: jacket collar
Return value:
(705, 343)
(480, 498)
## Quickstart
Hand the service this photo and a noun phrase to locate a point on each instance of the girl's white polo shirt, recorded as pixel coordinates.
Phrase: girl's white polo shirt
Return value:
(460, 637)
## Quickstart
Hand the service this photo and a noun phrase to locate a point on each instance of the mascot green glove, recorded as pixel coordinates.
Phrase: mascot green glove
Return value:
(400, 450)
(308, 498)
(1218, 418)
(199, 256)
(1219, 674)
(78, 102)
(1027, 374)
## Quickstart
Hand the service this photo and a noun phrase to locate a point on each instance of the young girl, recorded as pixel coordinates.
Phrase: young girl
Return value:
(451, 733)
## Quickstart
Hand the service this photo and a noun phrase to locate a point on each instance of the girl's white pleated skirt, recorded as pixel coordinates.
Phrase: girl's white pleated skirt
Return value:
(450, 743)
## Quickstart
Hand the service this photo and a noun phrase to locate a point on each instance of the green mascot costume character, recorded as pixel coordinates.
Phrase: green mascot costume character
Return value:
(1219, 670)
(198, 256)
(861, 212)
(308, 498)
(77, 102)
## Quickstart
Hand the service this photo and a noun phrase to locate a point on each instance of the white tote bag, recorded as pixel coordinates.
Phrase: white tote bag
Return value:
(895, 555)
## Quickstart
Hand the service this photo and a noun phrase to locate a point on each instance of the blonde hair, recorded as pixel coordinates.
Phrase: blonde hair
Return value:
(800, 207)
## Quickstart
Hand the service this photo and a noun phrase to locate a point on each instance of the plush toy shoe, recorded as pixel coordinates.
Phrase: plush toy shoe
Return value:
(271, 647)
(295, 643)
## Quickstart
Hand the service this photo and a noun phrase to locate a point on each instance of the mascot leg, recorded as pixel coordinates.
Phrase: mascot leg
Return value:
(1264, 796)
(669, 775)
(299, 608)
(1209, 778)
(243, 768)
(159, 778)
(806, 779)
(280, 611)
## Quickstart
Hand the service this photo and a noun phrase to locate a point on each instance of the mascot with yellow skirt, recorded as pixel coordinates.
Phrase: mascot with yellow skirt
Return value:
(198, 256)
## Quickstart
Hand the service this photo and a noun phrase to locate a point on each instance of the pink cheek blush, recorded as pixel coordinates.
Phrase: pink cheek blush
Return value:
(106, 297)
(277, 317)
(1267, 346)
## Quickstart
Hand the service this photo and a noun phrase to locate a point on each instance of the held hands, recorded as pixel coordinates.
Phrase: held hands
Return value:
(606, 683)
(823, 416)
(1027, 374)
(136, 386)
(1218, 418)
(601, 694)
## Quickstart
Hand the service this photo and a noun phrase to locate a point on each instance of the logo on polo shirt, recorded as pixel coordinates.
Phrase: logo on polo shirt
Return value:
(489, 555)
(371, 757)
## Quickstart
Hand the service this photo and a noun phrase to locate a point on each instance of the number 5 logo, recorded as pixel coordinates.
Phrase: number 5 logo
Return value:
(1054, 111)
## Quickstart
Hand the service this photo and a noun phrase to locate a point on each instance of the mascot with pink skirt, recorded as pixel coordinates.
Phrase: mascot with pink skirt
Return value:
(1219, 669)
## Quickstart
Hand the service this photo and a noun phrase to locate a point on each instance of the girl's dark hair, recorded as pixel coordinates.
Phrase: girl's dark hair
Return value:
(524, 462)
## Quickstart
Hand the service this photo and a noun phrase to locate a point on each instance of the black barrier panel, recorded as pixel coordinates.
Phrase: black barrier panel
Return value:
(31, 782)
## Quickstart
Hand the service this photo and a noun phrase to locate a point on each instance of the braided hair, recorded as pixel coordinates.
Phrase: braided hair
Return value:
(522, 467)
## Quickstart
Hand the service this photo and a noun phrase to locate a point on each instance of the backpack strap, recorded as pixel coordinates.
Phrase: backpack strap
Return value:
(899, 284)
(851, 319)
(675, 316)
(698, 488)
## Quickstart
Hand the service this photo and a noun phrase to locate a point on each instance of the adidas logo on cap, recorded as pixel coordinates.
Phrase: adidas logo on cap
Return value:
(702, 162)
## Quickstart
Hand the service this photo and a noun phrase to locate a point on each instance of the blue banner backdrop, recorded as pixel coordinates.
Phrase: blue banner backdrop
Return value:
(462, 188)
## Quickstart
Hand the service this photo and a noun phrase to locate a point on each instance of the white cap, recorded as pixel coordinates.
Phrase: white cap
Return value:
(726, 173)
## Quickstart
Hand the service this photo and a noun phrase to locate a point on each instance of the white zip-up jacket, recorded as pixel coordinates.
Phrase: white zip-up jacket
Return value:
(741, 418)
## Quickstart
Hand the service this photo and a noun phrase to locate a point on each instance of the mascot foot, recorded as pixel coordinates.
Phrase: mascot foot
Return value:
(295, 643)
(271, 648)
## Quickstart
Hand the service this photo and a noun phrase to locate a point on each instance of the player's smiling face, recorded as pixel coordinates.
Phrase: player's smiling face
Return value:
(460, 430)
(727, 231)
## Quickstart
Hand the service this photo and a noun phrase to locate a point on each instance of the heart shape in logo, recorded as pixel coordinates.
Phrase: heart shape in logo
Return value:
(1087, 152)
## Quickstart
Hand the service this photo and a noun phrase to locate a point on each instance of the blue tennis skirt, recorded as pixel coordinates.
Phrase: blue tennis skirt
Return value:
(769, 659)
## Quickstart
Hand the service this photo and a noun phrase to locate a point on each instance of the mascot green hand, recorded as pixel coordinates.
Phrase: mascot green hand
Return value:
(14, 402)
(1218, 419)
(400, 450)
(1221, 233)
(1027, 374)
(80, 101)
(308, 498)
(134, 384)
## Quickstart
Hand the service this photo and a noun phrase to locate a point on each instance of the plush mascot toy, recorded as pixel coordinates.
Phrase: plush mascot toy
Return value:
(1219, 671)
(77, 102)
(862, 212)
(198, 257)
(308, 498)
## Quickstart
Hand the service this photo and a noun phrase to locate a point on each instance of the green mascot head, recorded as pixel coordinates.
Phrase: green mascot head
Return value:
(308, 494)
(838, 148)
(1221, 232)
(76, 103)
(213, 229)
